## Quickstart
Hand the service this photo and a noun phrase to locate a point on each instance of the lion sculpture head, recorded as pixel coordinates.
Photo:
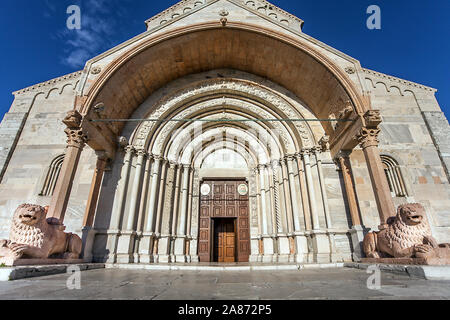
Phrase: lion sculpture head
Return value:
(410, 226)
(29, 225)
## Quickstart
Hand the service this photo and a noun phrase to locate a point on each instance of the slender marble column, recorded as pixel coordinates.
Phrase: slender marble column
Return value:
(162, 189)
(263, 199)
(153, 192)
(295, 206)
(287, 199)
(144, 195)
(95, 189)
(176, 200)
(276, 195)
(344, 161)
(311, 192)
(123, 186)
(323, 190)
(184, 201)
(134, 200)
(304, 192)
(91, 207)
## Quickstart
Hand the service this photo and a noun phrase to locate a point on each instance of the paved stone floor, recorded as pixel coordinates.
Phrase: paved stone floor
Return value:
(340, 283)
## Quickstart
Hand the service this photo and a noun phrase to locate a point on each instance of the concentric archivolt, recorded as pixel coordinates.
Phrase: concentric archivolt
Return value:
(223, 97)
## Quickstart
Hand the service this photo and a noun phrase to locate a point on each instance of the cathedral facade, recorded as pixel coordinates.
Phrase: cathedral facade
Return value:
(223, 133)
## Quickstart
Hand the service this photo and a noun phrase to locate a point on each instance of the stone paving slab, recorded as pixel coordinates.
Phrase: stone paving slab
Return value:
(22, 272)
(438, 272)
(336, 284)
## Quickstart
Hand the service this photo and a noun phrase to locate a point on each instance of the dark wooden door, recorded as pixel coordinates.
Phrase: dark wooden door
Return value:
(225, 200)
(224, 240)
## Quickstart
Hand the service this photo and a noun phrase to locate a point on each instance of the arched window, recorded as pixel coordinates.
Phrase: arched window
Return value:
(52, 176)
(394, 177)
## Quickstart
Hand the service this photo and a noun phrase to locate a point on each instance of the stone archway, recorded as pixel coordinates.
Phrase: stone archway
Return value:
(138, 73)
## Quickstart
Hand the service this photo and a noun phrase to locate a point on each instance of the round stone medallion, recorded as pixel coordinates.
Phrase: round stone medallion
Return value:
(243, 189)
(205, 189)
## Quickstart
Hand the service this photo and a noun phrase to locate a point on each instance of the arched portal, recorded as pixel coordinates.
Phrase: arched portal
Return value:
(275, 99)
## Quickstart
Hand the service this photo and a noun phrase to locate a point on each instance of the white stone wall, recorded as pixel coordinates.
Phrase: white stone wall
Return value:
(409, 136)
(32, 133)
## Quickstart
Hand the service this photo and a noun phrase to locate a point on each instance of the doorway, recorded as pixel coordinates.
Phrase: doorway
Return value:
(224, 222)
(224, 240)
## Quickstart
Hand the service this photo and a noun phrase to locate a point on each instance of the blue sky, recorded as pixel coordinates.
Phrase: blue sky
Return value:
(414, 42)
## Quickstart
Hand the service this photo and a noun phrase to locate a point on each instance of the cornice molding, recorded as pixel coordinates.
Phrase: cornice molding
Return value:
(70, 76)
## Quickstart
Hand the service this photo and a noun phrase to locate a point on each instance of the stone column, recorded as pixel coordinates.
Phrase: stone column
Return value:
(127, 234)
(149, 227)
(76, 140)
(136, 187)
(262, 184)
(96, 184)
(294, 192)
(89, 215)
(323, 190)
(311, 191)
(368, 138)
(299, 236)
(142, 208)
(304, 192)
(329, 223)
(319, 238)
(357, 231)
(148, 236)
(345, 164)
(267, 239)
(119, 204)
(180, 242)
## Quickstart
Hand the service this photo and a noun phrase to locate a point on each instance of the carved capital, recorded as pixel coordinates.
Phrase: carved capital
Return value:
(368, 137)
(290, 157)
(141, 153)
(76, 137)
(129, 149)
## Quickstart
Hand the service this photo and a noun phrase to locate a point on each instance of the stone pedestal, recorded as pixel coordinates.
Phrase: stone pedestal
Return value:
(269, 250)
(284, 249)
(335, 256)
(180, 248)
(112, 242)
(88, 237)
(321, 246)
(301, 243)
(164, 250)
(125, 247)
(255, 256)
(146, 248)
(357, 235)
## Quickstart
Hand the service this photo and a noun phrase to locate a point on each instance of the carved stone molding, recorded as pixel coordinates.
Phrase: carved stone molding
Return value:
(368, 137)
(226, 86)
(324, 143)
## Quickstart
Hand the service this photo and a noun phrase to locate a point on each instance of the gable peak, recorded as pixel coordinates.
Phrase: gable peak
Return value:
(260, 7)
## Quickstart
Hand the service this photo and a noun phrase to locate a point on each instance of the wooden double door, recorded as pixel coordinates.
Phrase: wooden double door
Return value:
(224, 228)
